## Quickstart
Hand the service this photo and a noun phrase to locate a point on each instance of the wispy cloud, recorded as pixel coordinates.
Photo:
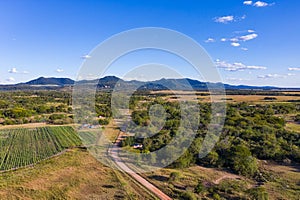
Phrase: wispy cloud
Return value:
(237, 66)
(86, 56)
(294, 69)
(225, 19)
(15, 71)
(248, 3)
(262, 4)
(10, 79)
(235, 44)
(236, 79)
(210, 40)
(258, 4)
(241, 36)
(229, 18)
(234, 39)
(244, 38)
(248, 37)
(59, 70)
(269, 76)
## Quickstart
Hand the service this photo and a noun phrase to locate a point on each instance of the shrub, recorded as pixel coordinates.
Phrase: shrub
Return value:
(297, 118)
(258, 193)
(188, 196)
(199, 188)
(216, 196)
(174, 176)
(243, 162)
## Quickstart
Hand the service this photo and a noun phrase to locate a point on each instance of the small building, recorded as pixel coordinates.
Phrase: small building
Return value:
(137, 146)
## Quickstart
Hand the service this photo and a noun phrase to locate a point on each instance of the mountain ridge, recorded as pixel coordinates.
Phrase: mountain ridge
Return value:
(109, 82)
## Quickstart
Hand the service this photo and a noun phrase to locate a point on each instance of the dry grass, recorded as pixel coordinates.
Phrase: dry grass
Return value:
(111, 131)
(293, 127)
(31, 125)
(190, 177)
(231, 98)
(73, 175)
(286, 184)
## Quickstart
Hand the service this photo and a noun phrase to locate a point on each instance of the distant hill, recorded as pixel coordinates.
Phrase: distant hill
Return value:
(50, 81)
(109, 82)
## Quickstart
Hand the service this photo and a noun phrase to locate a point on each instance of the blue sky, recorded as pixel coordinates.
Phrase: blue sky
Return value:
(252, 42)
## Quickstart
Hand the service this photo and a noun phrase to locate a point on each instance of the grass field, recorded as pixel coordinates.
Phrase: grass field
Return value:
(205, 97)
(72, 175)
(233, 98)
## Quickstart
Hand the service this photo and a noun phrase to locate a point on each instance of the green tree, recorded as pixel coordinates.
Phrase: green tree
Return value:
(243, 162)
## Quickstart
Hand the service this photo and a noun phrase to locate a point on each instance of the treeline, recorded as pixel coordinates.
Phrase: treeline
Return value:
(52, 107)
(29, 107)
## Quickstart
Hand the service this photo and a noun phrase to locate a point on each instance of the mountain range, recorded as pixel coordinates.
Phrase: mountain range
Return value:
(109, 82)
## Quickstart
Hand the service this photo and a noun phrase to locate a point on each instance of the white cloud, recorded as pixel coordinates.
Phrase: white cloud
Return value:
(235, 44)
(236, 79)
(224, 19)
(294, 69)
(251, 31)
(269, 76)
(261, 4)
(234, 39)
(244, 49)
(256, 67)
(248, 3)
(243, 38)
(86, 56)
(210, 40)
(13, 70)
(243, 17)
(59, 70)
(223, 40)
(248, 37)
(290, 74)
(10, 79)
(237, 66)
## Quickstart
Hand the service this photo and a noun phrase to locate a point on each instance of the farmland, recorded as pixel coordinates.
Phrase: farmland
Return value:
(21, 147)
(257, 154)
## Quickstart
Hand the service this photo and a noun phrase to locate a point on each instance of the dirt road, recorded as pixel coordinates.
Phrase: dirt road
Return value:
(114, 153)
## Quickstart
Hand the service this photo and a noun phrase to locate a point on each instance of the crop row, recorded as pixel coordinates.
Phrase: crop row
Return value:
(22, 147)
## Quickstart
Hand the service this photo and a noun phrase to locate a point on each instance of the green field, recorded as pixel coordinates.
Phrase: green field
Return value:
(22, 147)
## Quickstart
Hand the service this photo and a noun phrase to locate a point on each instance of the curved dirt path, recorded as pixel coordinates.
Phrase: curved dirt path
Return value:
(114, 153)
(229, 176)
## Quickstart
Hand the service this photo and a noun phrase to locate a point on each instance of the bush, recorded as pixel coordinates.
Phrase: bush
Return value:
(188, 196)
(56, 117)
(103, 121)
(270, 98)
(199, 188)
(216, 196)
(243, 162)
(258, 193)
(174, 176)
(297, 118)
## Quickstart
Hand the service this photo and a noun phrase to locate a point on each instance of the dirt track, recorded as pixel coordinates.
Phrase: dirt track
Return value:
(114, 153)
